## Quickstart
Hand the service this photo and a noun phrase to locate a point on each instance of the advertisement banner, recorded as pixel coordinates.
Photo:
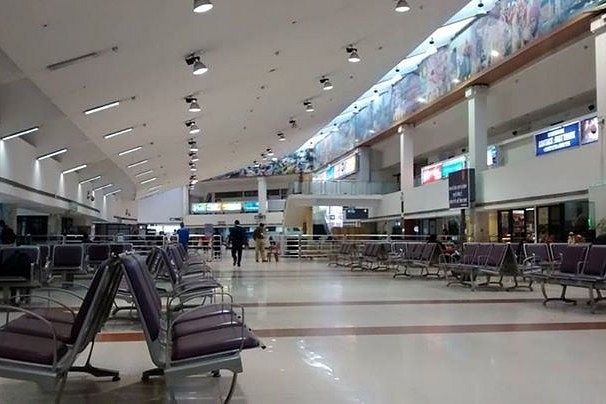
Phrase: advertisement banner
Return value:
(462, 188)
(564, 137)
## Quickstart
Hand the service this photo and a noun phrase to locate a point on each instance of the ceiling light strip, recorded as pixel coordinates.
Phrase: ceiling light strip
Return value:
(71, 170)
(144, 173)
(134, 149)
(103, 187)
(149, 180)
(51, 154)
(113, 192)
(102, 107)
(21, 133)
(138, 163)
(118, 133)
(98, 177)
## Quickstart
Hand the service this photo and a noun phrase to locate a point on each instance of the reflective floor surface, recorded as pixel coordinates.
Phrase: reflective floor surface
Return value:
(334, 336)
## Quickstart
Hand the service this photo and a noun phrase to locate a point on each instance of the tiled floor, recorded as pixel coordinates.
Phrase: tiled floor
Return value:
(334, 336)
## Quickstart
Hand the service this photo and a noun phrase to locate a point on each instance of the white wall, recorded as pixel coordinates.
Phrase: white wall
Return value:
(18, 163)
(163, 206)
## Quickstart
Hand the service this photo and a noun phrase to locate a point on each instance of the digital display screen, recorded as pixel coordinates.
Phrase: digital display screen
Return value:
(198, 208)
(251, 206)
(231, 206)
(453, 165)
(493, 155)
(213, 207)
(355, 214)
(590, 130)
(561, 138)
(431, 173)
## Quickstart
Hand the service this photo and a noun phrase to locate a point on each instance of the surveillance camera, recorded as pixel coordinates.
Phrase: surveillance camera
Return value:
(92, 198)
(591, 107)
(463, 150)
(515, 132)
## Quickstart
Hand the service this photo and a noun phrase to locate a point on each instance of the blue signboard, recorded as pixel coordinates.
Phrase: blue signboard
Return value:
(564, 137)
(251, 206)
(453, 165)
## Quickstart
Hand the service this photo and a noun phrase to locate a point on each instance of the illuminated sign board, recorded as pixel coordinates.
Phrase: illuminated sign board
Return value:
(251, 206)
(213, 207)
(452, 165)
(564, 137)
(197, 208)
(231, 206)
(431, 173)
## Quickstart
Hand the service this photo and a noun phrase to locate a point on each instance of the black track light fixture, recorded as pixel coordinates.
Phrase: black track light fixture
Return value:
(353, 54)
(193, 104)
(326, 84)
(198, 67)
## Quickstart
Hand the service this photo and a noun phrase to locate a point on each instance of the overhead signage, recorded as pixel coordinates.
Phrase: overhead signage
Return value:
(564, 137)
(452, 165)
(461, 188)
(339, 170)
(231, 206)
(251, 206)
(431, 173)
(197, 208)
(213, 207)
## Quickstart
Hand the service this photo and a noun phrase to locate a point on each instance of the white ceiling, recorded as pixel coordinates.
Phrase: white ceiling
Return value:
(244, 104)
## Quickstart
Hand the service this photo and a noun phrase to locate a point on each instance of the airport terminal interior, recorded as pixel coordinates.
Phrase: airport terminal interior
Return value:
(334, 201)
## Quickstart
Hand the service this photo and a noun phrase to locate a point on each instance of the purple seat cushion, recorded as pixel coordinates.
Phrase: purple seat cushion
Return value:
(35, 327)
(208, 323)
(27, 348)
(212, 342)
(204, 311)
(55, 315)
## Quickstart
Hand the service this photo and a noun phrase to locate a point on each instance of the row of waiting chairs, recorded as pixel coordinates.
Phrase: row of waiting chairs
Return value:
(369, 256)
(42, 344)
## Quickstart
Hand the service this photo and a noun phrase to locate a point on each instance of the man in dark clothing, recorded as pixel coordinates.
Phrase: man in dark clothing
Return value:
(237, 239)
(7, 235)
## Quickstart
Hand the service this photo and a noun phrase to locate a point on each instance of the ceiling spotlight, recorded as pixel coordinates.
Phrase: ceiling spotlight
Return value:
(402, 6)
(293, 123)
(281, 137)
(198, 67)
(71, 170)
(193, 146)
(202, 6)
(353, 54)
(326, 84)
(193, 169)
(308, 106)
(256, 164)
(263, 156)
(193, 104)
(270, 152)
(193, 128)
(432, 49)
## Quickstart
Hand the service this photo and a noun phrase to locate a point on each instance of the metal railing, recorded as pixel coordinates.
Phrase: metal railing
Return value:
(342, 187)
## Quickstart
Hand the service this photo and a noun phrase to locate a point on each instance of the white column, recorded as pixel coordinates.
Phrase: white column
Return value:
(597, 193)
(478, 135)
(262, 191)
(407, 157)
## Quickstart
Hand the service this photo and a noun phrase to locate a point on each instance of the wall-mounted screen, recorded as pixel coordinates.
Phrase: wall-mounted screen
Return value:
(493, 156)
(590, 130)
(198, 208)
(346, 167)
(231, 206)
(213, 207)
(431, 173)
(251, 206)
(564, 137)
(355, 214)
(453, 165)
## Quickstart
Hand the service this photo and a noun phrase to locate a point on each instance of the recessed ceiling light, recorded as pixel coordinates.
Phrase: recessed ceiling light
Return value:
(134, 149)
(138, 163)
(118, 133)
(144, 173)
(149, 180)
(202, 6)
(98, 177)
(402, 6)
(71, 170)
(103, 187)
(102, 107)
(21, 133)
(52, 154)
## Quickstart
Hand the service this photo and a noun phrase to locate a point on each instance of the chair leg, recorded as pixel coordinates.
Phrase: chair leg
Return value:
(95, 371)
(232, 388)
(151, 372)
(61, 388)
(562, 297)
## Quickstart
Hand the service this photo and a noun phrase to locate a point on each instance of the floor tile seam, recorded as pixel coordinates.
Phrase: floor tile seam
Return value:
(411, 302)
(138, 336)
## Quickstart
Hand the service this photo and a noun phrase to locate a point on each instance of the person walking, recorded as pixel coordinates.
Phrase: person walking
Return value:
(237, 240)
(259, 237)
(183, 235)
